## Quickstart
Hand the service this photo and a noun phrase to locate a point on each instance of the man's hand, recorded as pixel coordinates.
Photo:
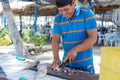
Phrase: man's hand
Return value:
(55, 64)
(71, 55)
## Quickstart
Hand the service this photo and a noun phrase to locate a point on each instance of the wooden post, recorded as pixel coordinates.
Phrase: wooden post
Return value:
(17, 40)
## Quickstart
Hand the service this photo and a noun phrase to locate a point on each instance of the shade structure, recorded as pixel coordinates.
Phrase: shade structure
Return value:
(48, 10)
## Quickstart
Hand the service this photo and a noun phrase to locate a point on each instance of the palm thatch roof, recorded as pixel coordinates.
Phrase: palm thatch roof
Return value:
(49, 10)
(106, 6)
(105, 9)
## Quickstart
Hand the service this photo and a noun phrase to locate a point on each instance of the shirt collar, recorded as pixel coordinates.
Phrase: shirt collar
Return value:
(77, 10)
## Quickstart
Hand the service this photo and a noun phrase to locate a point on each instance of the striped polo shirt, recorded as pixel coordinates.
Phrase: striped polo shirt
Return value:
(74, 31)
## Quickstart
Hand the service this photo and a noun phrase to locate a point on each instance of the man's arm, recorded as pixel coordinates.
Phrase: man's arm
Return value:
(55, 48)
(87, 44)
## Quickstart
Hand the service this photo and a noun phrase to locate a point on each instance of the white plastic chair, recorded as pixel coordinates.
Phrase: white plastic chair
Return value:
(101, 37)
(107, 38)
(114, 40)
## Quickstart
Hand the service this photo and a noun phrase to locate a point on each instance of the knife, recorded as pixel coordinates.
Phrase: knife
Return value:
(64, 64)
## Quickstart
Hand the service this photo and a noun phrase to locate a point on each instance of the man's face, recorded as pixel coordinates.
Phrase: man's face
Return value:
(67, 11)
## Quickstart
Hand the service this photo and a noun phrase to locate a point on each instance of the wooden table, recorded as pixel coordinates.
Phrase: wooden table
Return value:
(82, 75)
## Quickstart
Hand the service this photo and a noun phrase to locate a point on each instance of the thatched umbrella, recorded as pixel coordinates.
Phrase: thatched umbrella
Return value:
(49, 10)
(105, 9)
(107, 2)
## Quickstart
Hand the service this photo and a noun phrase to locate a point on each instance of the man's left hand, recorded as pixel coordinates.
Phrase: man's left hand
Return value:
(71, 55)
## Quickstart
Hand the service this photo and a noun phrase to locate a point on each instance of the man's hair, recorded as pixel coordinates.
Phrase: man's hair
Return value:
(62, 3)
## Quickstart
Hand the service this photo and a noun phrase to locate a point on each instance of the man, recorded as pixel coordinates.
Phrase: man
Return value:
(77, 27)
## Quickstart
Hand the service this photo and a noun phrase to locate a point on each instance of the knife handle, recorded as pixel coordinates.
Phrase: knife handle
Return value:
(66, 62)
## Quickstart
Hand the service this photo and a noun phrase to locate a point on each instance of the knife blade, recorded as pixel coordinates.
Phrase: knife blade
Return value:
(64, 64)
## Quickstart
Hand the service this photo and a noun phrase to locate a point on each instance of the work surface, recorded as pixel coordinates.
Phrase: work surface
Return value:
(81, 75)
(15, 69)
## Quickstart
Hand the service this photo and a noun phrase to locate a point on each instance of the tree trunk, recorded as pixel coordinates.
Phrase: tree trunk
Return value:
(16, 38)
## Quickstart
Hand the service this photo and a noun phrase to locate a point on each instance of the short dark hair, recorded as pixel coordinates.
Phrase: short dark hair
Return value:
(62, 3)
